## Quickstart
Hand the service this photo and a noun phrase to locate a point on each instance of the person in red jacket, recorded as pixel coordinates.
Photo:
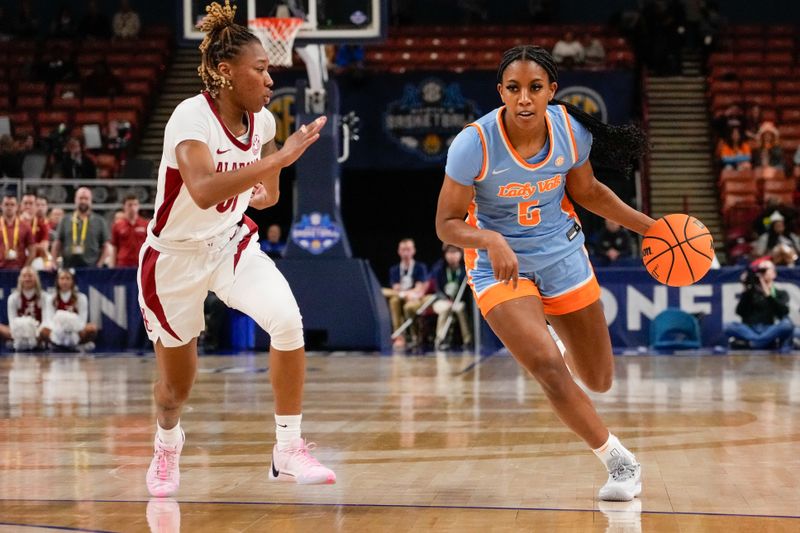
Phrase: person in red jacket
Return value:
(128, 234)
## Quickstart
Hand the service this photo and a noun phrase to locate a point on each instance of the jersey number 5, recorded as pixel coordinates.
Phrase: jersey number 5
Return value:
(230, 203)
(528, 214)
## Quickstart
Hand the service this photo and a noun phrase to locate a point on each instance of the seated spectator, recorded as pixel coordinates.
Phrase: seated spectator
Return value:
(776, 234)
(128, 235)
(409, 284)
(733, 152)
(349, 57)
(273, 245)
(613, 244)
(76, 164)
(726, 120)
(16, 239)
(95, 24)
(569, 51)
(126, 22)
(768, 152)
(10, 158)
(25, 309)
(762, 222)
(764, 310)
(752, 122)
(783, 255)
(448, 274)
(66, 315)
(64, 26)
(101, 82)
(59, 65)
(595, 53)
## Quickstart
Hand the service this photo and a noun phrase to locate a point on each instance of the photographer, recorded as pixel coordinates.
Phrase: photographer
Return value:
(764, 310)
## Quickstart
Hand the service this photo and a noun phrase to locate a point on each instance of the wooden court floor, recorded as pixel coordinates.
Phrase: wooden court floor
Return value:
(424, 443)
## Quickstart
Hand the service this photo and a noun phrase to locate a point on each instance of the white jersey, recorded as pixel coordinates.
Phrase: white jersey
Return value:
(177, 216)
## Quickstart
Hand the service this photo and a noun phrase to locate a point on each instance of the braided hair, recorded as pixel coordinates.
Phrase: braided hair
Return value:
(224, 38)
(613, 147)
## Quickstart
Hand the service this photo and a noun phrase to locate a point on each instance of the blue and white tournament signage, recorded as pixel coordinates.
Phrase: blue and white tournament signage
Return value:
(316, 233)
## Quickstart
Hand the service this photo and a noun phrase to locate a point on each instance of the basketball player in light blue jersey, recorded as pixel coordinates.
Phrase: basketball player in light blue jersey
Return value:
(508, 173)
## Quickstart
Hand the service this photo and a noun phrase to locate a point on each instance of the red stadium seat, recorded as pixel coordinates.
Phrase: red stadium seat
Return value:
(19, 117)
(107, 166)
(785, 100)
(787, 86)
(738, 187)
(47, 118)
(723, 87)
(753, 44)
(785, 198)
(762, 99)
(733, 174)
(779, 72)
(96, 103)
(60, 89)
(63, 104)
(761, 86)
(5, 103)
(742, 214)
(790, 115)
(31, 102)
(134, 103)
(731, 200)
(722, 101)
(779, 43)
(90, 117)
(779, 58)
(747, 29)
(750, 58)
(721, 58)
(124, 116)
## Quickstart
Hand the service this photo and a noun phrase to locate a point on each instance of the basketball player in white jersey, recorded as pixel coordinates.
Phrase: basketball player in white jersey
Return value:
(219, 158)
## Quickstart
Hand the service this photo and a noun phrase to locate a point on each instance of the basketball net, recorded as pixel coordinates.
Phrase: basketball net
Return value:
(277, 35)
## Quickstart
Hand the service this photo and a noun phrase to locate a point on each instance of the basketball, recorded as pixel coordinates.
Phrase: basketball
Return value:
(678, 250)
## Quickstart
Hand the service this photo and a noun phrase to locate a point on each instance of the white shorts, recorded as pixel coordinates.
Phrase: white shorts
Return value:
(174, 280)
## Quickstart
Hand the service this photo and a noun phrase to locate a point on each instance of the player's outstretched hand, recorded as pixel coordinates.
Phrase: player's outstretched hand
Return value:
(504, 261)
(300, 140)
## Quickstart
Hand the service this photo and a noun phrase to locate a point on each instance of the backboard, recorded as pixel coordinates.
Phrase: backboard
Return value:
(326, 21)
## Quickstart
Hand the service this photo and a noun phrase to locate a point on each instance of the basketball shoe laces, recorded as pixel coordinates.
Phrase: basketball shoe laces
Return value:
(620, 470)
(166, 462)
(302, 457)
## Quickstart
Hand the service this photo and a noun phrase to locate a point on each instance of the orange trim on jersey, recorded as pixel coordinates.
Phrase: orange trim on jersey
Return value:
(574, 300)
(513, 151)
(471, 254)
(501, 292)
(484, 147)
(568, 208)
(571, 135)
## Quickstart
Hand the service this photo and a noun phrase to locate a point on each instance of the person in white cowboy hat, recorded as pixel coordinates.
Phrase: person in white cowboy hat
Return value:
(768, 152)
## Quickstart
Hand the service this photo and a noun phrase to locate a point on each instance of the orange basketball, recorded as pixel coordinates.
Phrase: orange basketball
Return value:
(677, 250)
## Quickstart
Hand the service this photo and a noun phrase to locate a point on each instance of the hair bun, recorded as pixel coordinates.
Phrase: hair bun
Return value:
(217, 17)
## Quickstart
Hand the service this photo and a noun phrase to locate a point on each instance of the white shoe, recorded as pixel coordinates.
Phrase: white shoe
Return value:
(624, 480)
(298, 465)
(163, 515)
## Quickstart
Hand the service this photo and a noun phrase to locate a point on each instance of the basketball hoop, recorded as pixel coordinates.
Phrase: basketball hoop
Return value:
(277, 35)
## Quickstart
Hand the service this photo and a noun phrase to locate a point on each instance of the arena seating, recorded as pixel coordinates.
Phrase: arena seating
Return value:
(38, 108)
(756, 64)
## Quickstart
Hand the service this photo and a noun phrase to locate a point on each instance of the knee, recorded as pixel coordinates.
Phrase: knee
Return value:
(173, 394)
(286, 330)
(598, 381)
(551, 373)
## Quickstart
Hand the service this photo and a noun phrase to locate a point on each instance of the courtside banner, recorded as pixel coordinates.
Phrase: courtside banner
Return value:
(631, 299)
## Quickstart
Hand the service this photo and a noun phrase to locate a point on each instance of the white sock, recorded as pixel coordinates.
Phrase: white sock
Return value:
(287, 428)
(612, 448)
(170, 437)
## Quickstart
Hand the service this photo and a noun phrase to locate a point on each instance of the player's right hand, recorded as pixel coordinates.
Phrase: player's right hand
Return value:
(300, 140)
(504, 261)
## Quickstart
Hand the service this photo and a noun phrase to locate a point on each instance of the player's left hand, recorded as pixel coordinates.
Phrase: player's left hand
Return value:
(259, 199)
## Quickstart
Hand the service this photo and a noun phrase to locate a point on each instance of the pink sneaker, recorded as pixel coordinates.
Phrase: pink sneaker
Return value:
(164, 475)
(163, 515)
(298, 465)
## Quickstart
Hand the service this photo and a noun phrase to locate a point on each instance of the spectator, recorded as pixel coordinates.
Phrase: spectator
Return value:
(613, 244)
(594, 50)
(409, 283)
(26, 25)
(77, 165)
(57, 66)
(796, 166)
(764, 310)
(274, 245)
(101, 81)
(128, 235)
(119, 214)
(25, 309)
(82, 238)
(762, 222)
(18, 249)
(449, 274)
(53, 220)
(783, 255)
(10, 158)
(776, 234)
(753, 120)
(569, 51)
(40, 229)
(768, 154)
(66, 315)
(733, 151)
(126, 22)
(725, 121)
(64, 26)
(349, 58)
(95, 23)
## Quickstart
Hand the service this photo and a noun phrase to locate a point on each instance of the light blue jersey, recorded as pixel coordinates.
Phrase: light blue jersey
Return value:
(522, 200)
